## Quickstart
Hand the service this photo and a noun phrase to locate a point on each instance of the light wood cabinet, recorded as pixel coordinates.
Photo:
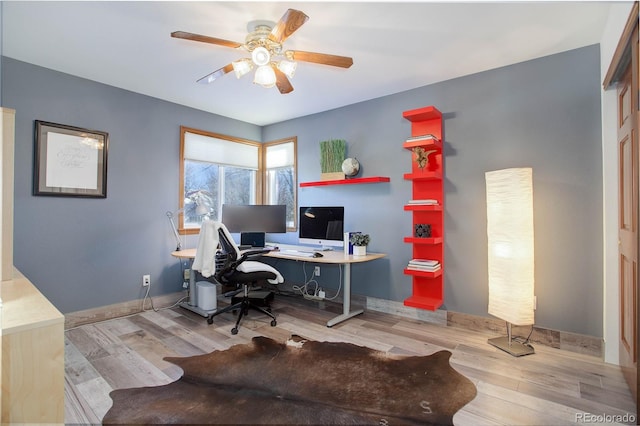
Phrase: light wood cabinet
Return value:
(32, 332)
(32, 355)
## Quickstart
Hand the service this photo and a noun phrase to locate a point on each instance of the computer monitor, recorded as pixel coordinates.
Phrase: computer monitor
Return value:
(322, 226)
(253, 219)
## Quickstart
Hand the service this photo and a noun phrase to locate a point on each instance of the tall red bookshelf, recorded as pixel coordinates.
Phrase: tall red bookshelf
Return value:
(426, 206)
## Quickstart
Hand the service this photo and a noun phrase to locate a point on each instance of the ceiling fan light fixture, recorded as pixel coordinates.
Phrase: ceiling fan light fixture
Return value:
(265, 76)
(273, 66)
(287, 67)
(242, 67)
(260, 56)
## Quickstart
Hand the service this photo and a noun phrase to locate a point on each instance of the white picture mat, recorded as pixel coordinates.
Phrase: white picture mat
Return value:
(72, 161)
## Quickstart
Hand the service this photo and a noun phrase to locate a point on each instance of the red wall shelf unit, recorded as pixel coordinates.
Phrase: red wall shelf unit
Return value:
(352, 181)
(427, 184)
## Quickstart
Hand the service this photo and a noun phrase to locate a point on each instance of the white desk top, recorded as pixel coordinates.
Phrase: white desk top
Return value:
(333, 256)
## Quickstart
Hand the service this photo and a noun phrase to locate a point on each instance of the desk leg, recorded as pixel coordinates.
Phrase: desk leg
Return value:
(346, 300)
(192, 286)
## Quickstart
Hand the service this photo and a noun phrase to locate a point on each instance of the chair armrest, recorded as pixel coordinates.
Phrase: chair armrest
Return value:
(253, 253)
(250, 254)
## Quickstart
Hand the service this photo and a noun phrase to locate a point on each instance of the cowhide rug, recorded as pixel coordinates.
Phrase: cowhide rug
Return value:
(307, 383)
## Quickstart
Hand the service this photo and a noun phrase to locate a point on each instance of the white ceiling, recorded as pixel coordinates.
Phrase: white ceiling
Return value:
(394, 46)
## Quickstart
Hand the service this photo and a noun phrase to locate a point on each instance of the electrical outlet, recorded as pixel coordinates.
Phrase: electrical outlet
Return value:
(316, 271)
(146, 280)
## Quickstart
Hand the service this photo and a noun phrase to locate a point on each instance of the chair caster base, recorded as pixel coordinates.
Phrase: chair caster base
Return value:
(234, 330)
(210, 320)
(273, 323)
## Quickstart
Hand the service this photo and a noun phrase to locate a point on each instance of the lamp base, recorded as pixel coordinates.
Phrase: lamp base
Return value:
(511, 347)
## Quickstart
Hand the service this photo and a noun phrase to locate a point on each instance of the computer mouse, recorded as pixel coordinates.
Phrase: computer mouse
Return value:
(316, 254)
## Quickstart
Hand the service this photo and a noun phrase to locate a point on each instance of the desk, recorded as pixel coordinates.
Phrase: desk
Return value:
(330, 257)
(334, 257)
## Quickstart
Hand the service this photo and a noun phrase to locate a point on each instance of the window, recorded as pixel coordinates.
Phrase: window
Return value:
(280, 177)
(216, 169)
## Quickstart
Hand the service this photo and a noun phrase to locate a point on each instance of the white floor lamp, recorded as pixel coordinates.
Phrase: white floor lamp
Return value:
(510, 249)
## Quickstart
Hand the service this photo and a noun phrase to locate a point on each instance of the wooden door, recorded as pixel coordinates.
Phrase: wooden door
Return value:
(628, 220)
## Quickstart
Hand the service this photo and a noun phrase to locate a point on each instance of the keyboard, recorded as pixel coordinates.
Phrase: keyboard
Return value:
(297, 253)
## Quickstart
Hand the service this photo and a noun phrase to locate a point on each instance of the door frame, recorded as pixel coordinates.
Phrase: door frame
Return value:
(626, 51)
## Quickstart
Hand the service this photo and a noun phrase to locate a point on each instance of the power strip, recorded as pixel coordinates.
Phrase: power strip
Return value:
(312, 297)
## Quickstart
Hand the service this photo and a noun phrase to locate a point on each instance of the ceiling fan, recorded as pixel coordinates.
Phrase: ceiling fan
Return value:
(273, 66)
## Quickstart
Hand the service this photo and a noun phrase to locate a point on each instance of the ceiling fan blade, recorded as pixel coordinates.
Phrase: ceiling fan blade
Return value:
(282, 82)
(320, 58)
(205, 39)
(217, 73)
(287, 25)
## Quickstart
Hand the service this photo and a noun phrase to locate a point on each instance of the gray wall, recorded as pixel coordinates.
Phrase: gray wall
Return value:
(83, 253)
(540, 113)
(86, 253)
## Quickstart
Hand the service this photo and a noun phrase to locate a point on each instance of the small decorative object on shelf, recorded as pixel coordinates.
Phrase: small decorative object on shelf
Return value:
(350, 167)
(422, 156)
(422, 230)
(360, 241)
(332, 154)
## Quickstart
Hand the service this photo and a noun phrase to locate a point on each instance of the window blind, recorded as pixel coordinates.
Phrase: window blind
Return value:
(220, 151)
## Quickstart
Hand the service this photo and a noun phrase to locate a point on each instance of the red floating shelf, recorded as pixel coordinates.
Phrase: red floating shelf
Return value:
(426, 274)
(433, 143)
(423, 176)
(423, 207)
(422, 114)
(353, 181)
(422, 240)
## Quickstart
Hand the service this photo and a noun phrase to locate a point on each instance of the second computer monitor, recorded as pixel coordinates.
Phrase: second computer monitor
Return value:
(246, 218)
(322, 226)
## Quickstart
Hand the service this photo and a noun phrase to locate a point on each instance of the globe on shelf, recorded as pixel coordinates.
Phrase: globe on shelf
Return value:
(350, 167)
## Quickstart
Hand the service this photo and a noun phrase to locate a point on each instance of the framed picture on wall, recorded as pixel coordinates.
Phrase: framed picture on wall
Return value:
(69, 161)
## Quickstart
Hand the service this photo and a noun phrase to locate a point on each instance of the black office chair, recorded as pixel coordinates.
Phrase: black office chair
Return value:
(234, 268)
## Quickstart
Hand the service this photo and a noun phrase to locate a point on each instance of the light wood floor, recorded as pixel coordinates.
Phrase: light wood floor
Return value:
(551, 387)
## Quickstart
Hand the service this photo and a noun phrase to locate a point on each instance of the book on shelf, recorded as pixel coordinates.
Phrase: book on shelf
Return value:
(348, 245)
(425, 265)
(426, 137)
(430, 262)
(423, 268)
(427, 201)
